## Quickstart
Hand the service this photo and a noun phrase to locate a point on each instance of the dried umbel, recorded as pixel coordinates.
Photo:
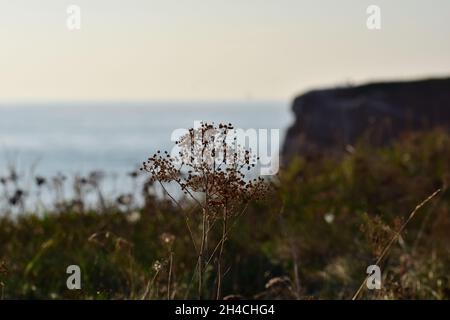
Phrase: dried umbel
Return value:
(215, 172)
(40, 181)
(17, 198)
(209, 162)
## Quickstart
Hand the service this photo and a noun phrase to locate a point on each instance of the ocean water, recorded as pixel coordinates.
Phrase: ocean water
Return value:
(77, 138)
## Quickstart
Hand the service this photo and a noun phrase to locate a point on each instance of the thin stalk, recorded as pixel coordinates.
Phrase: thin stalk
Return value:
(149, 286)
(228, 231)
(201, 257)
(395, 237)
(219, 261)
(169, 279)
(186, 217)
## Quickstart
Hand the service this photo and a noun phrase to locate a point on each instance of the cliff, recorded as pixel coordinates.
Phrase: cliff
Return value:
(329, 120)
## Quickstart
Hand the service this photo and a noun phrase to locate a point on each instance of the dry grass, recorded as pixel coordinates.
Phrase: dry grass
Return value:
(395, 237)
(313, 235)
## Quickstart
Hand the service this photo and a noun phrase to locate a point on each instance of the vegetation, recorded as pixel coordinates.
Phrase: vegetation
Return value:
(309, 233)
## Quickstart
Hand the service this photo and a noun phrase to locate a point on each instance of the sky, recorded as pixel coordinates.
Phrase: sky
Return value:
(213, 50)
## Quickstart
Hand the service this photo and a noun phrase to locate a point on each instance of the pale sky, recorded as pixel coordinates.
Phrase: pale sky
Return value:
(172, 50)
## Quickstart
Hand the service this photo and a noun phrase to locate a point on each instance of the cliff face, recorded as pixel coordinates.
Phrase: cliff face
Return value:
(329, 120)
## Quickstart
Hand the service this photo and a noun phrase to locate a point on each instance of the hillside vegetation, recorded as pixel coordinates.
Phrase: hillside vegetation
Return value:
(310, 235)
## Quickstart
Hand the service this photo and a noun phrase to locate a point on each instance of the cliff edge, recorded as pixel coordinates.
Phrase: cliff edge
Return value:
(329, 120)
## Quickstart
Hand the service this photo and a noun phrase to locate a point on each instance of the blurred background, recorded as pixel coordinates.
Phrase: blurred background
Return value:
(107, 94)
(81, 109)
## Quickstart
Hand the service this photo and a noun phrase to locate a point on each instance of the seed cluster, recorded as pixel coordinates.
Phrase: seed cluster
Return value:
(209, 162)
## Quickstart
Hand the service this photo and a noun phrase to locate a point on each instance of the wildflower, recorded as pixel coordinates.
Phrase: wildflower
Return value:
(95, 177)
(213, 165)
(157, 266)
(40, 181)
(17, 198)
(329, 217)
(125, 199)
(134, 217)
(167, 239)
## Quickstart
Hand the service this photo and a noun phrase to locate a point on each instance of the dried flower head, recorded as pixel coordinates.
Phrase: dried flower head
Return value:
(17, 198)
(157, 266)
(210, 162)
(167, 239)
(40, 181)
(134, 217)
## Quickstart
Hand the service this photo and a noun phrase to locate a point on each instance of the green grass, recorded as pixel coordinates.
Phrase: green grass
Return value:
(324, 223)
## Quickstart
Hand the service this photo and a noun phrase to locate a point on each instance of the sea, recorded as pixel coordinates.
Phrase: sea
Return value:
(46, 139)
